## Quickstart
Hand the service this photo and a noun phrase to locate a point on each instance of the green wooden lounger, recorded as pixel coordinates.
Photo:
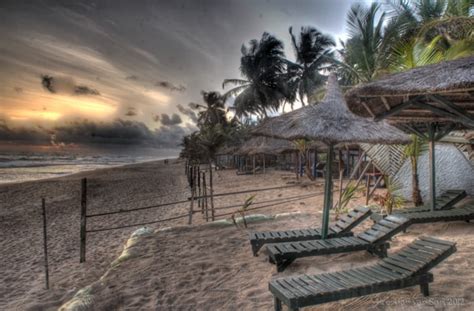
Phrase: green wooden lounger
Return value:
(341, 228)
(444, 202)
(465, 213)
(373, 240)
(408, 267)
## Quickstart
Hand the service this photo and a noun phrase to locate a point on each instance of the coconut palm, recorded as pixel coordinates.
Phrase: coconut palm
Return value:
(312, 51)
(366, 52)
(213, 111)
(445, 25)
(263, 88)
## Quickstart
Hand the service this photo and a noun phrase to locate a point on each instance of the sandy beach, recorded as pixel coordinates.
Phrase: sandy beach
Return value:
(198, 267)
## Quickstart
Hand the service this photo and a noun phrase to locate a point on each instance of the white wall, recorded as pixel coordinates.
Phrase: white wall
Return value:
(453, 171)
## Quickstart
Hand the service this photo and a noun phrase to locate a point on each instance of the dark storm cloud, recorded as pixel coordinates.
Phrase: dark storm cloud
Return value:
(65, 85)
(173, 120)
(170, 86)
(187, 112)
(22, 134)
(120, 132)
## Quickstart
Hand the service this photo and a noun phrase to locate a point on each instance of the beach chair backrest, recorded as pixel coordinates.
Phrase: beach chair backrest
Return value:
(420, 256)
(385, 229)
(350, 220)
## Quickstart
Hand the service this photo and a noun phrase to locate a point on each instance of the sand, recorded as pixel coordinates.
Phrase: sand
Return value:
(198, 267)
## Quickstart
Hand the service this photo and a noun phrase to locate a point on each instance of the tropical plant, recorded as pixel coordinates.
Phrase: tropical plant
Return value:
(390, 200)
(412, 152)
(242, 211)
(349, 193)
(313, 52)
(263, 88)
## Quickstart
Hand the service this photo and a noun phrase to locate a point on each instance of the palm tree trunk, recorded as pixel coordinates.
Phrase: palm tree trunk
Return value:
(416, 194)
(308, 166)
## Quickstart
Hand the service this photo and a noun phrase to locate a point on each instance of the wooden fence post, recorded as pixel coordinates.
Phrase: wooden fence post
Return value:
(45, 243)
(83, 219)
(204, 185)
(191, 207)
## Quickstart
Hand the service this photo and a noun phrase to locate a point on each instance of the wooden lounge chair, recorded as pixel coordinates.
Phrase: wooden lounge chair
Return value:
(408, 267)
(341, 228)
(373, 240)
(465, 213)
(445, 201)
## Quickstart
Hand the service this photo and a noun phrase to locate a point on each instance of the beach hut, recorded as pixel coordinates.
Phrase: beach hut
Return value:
(263, 146)
(331, 123)
(429, 101)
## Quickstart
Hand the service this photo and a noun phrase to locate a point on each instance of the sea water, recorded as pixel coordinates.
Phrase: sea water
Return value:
(19, 163)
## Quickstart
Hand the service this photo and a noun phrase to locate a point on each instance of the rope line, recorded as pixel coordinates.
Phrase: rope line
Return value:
(268, 205)
(269, 201)
(136, 209)
(138, 224)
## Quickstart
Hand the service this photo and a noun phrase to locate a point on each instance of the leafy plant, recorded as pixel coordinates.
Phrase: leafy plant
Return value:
(349, 193)
(242, 211)
(391, 199)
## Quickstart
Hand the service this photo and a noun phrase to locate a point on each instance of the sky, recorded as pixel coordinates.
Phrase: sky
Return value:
(123, 72)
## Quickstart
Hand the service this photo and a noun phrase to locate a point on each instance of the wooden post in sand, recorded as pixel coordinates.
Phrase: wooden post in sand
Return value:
(191, 207)
(45, 243)
(204, 187)
(83, 219)
(199, 186)
(211, 191)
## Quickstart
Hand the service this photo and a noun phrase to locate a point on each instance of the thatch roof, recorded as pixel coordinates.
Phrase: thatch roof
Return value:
(452, 81)
(330, 122)
(266, 145)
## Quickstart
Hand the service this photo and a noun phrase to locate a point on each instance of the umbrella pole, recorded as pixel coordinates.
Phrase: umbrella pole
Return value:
(327, 191)
(431, 134)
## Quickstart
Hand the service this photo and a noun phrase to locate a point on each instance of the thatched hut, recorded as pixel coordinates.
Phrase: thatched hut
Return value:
(428, 101)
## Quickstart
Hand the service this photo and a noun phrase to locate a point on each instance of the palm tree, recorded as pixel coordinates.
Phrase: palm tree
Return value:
(213, 111)
(413, 151)
(365, 53)
(445, 25)
(209, 139)
(263, 67)
(312, 51)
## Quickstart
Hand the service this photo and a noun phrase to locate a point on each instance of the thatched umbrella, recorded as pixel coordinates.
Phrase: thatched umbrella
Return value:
(428, 101)
(332, 123)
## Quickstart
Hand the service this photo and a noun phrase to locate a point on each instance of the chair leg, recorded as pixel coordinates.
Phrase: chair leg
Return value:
(425, 290)
(281, 265)
(380, 250)
(255, 248)
(277, 303)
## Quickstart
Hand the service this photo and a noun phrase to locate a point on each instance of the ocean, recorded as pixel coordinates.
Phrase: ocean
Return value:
(19, 163)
